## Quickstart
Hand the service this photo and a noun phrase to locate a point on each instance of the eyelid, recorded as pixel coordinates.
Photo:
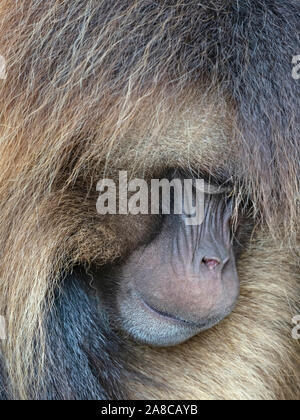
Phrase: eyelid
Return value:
(210, 188)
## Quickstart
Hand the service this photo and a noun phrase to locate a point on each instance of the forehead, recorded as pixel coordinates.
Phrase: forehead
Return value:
(190, 131)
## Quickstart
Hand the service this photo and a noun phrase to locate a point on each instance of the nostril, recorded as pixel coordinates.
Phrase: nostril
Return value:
(211, 263)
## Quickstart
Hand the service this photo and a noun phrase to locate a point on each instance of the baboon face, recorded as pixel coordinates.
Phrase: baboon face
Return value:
(180, 279)
(176, 89)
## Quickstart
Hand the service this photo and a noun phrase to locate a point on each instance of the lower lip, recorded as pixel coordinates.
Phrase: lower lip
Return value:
(180, 322)
(166, 317)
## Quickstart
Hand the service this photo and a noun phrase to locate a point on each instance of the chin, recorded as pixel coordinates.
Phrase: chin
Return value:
(155, 328)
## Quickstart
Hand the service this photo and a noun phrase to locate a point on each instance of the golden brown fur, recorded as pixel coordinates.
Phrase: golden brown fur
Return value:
(65, 122)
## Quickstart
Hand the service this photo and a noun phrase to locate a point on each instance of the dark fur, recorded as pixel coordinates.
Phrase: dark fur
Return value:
(84, 359)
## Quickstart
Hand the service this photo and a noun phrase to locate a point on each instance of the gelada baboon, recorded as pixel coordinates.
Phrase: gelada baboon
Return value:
(115, 306)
